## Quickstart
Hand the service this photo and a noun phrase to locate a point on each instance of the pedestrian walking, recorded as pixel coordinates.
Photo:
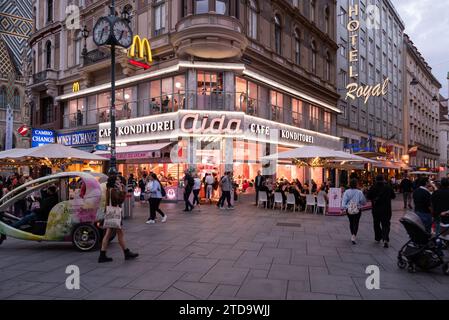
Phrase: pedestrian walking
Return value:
(352, 203)
(196, 190)
(209, 182)
(188, 187)
(423, 202)
(381, 194)
(406, 187)
(259, 182)
(226, 187)
(114, 197)
(157, 192)
(440, 204)
(142, 185)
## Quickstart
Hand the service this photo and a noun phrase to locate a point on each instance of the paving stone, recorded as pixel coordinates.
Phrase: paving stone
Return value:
(226, 290)
(288, 272)
(250, 259)
(301, 259)
(112, 294)
(226, 275)
(195, 265)
(247, 245)
(147, 295)
(330, 284)
(155, 280)
(196, 289)
(175, 294)
(21, 296)
(263, 289)
(310, 296)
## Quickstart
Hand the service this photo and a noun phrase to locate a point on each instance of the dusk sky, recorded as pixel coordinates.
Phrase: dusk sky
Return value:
(427, 24)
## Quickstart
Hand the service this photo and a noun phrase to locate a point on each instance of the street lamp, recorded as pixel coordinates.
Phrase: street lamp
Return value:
(85, 35)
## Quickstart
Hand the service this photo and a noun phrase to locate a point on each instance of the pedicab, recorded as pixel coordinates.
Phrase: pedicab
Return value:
(73, 219)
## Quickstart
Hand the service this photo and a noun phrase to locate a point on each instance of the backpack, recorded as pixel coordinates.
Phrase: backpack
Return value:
(163, 193)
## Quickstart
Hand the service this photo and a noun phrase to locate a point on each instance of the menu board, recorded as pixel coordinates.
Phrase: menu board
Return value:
(335, 196)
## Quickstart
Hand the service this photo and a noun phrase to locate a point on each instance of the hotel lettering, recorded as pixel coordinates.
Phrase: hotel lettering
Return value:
(355, 90)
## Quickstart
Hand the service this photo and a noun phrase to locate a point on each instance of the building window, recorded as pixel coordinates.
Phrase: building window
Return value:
(252, 19)
(159, 18)
(47, 110)
(314, 56)
(343, 47)
(297, 47)
(295, 3)
(312, 10)
(277, 106)
(201, 6)
(277, 34)
(78, 39)
(3, 98)
(342, 16)
(327, 122)
(327, 20)
(49, 10)
(222, 7)
(48, 54)
(297, 112)
(344, 78)
(328, 67)
(16, 100)
(314, 118)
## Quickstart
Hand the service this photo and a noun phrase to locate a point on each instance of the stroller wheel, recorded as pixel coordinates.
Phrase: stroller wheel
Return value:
(446, 268)
(401, 263)
(411, 268)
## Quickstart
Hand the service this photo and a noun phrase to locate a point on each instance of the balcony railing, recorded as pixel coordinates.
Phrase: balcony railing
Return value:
(44, 76)
(213, 101)
(95, 56)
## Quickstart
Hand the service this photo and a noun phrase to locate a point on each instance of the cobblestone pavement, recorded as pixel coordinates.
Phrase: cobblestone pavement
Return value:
(247, 253)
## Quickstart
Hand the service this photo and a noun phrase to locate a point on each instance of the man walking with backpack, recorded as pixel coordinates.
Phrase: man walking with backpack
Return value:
(188, 187)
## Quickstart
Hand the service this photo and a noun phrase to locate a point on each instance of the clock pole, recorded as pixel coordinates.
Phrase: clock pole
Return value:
(113, 162)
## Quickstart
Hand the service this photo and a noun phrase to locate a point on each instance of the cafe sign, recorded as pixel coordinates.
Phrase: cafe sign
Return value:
(354, 90)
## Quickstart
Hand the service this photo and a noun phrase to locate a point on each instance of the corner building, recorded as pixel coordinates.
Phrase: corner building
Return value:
(230, 82)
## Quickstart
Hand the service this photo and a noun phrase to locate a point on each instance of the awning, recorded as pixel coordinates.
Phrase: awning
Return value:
(139, 151)
(391, 165)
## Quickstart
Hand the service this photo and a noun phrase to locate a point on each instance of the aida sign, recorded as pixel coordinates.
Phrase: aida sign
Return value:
(354, 90)
(139, 53)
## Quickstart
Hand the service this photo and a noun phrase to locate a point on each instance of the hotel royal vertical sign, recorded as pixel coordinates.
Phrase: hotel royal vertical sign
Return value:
(355, 90)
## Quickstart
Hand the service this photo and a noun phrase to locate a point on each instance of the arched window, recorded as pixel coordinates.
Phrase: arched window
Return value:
(297, 47)
(16, 100)
(3, 97)
(222, 7)
(328, 66)
(201, 6)
(252, 19)
(314, 56)
(312, 10)
(49, 10)
(277, 34)
(327, 25)
(48, 54)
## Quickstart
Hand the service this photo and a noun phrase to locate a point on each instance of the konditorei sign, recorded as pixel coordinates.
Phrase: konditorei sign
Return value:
(354, 90)
(40, 137)
(172, 126)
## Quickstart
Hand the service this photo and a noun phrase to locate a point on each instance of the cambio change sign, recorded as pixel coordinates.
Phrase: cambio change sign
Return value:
(40, 137)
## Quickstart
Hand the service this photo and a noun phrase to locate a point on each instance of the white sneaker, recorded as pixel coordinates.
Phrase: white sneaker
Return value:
(150, 222)
(222, 208)
(164, 219)
(230, 208)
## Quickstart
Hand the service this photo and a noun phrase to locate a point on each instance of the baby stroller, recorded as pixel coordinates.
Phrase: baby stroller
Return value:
(422, 250)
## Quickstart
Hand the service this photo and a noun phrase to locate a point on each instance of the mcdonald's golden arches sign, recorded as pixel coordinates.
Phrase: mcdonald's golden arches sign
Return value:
(76, 87)
(140, 53)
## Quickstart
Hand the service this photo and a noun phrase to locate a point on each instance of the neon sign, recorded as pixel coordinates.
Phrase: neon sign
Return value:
(354, 90)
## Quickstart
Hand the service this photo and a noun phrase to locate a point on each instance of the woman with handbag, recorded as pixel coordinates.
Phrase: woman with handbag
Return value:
(352, 203)
(114, 198)
(157, 192)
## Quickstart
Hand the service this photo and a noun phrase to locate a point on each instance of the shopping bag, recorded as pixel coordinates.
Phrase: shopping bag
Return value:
(113, 218)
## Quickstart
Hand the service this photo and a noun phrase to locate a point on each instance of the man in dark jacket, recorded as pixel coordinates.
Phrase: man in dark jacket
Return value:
(423, 203)
(258, 183)
(40, 214)
(440, 203)
(381, 195)
(407, 190)
(188, 187)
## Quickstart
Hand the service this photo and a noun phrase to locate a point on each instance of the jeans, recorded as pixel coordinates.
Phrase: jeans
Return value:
(407, 199)
(187, 193)
(257, 195)
(426, 219)
(154, 207)
(209, 190)
(25, 220)
(196, 200)
(225, 195)
(382, 226)
(354, 220)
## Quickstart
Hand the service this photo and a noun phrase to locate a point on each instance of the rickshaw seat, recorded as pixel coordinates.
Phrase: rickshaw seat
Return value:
(39, 227)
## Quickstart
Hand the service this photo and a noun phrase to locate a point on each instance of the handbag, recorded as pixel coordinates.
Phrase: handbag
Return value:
(113, 215)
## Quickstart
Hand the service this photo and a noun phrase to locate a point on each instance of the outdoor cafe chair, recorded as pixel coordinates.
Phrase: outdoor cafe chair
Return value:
(321, 203)
(262, 198)
(310, 202)
(291, 200)
(278, 199)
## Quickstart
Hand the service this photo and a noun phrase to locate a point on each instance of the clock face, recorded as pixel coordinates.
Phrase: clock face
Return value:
(122, 33)
(102, 31)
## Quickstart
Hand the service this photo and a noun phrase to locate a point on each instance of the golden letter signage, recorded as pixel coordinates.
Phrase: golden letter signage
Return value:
(76, 87)
(354, 90)
(140, 53)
